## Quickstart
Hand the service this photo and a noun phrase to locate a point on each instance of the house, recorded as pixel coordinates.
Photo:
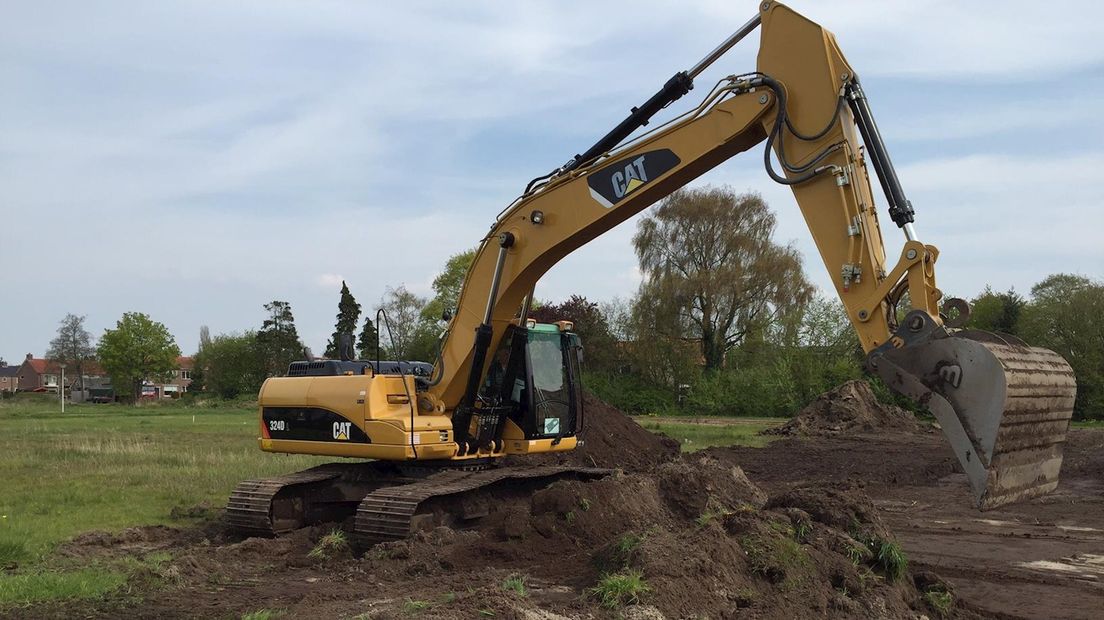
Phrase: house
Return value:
(41, 375)
(9, 377)
(177, 384)
(35, 377)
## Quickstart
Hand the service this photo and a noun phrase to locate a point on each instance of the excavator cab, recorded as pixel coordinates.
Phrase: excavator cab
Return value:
(535, 376)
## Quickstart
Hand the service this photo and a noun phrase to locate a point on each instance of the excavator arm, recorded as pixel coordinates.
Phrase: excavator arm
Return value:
(1003, 406)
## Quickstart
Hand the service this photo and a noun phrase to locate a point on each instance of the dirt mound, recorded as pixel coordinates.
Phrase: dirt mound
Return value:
(692, 537)
(701, 540)
(850, 408)
(893, 459)
(611, 439)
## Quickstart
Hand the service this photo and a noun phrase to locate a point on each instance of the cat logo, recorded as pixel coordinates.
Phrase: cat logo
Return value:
(341, 430)
(952, 374)
(614, 182)
(633, 177)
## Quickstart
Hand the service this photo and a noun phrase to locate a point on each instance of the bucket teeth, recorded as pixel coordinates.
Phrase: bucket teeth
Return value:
(1005, 408)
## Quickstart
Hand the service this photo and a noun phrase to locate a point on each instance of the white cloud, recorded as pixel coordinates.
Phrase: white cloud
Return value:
(196, 160)
(940, 39)
(329, 280)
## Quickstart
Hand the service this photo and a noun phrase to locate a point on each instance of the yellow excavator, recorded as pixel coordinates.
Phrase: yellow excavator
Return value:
(430, 437)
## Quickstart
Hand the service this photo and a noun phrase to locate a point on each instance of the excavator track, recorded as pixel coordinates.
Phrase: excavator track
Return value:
(330, 492)
(389, 500)
(393, 513)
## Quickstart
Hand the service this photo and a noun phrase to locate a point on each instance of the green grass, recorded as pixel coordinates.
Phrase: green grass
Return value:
(515, 584)
(108, 467)
(628, 543)
(1087, 424)
(113, 466)
(262, 614)
(412, 607)
(712, 512)
(776, 556)
(330, 543)
(620, 588)
(698, 436)
(857, 554)
(802, 531)
(31, 587)
(939, 600)
(891, 559)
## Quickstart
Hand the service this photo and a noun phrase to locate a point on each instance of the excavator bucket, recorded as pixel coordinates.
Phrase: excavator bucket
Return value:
(1004, 407)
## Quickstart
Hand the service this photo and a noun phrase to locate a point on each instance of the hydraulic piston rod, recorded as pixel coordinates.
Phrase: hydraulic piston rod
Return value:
(900, 209)
(679, 84)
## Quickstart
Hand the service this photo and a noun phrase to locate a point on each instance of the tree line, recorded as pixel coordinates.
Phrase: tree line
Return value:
(724, 322)
(139, 349)
(409, 328)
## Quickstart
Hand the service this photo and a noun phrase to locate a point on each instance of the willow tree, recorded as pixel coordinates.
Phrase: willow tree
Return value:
(712, 271)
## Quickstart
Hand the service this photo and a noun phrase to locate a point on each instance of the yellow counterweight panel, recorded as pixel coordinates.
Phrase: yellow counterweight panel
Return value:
(377, 405)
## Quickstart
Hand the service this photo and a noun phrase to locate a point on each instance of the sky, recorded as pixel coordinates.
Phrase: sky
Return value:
(194, 160)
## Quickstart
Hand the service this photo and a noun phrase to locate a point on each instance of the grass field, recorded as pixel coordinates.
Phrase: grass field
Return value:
(109, 467)
(696, 435)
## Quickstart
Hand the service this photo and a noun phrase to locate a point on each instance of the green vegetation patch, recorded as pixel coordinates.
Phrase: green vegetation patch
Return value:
(624, 587)
(515, 584)
(890, 558)
(39, 586)
(263, 614)
(109, 467)
(329, 544)
(413, 607)
(776, 556)
(940, 601)
(693, 436)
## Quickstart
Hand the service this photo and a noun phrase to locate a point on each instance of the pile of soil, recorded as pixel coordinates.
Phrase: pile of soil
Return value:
(1038, 546)
(850, 408)
(704, 540)
(612, 440)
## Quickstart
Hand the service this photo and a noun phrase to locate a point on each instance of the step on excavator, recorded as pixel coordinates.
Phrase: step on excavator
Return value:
(426, 440)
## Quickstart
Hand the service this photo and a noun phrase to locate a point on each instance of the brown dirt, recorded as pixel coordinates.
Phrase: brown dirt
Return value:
(708, 542)
(611, 439)
(1042, 558)
(850, 408)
